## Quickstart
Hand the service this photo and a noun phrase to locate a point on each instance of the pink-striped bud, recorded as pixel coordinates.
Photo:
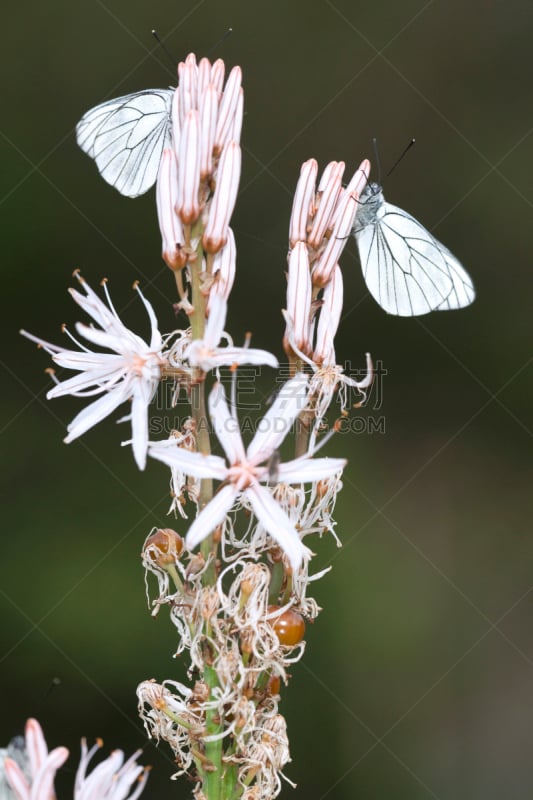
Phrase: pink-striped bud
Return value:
(175, 120)
(329, 189)
(188, 206)
(223, 202)
(217, 75)
(228, 108)
(356, 185)
(208, 121)
(169, 222)
(328, 322)
(235, 133)
(204, 78)
(360, 178)
(299, 298)
(302, 207)
(329, 170)
(188, 86)
(324, 267)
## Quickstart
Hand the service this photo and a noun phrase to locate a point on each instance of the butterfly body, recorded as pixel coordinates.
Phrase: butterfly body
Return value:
(406, 270)
(126, 137)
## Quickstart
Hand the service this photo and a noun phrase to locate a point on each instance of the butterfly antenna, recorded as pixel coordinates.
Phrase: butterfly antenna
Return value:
(411, 143)
(376, 156)
(164, 48)
(44, 703)
(222, 39)
(54, 683)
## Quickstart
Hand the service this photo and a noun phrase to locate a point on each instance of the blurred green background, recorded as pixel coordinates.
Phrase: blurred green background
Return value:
(418, 679)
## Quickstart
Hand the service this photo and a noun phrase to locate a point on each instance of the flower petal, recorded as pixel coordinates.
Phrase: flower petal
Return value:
(94, 413)
(277, 523)
(195, 464)
(211, 516)
(139, 425)
(225, 424)
(215, 323)
(277, 422)
(307, 470)
(236, 356)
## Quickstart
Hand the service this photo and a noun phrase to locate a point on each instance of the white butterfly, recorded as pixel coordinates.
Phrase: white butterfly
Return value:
(406, 269)
(126, 138)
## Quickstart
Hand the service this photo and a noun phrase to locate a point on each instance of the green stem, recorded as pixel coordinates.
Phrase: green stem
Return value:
(213, 750)
(229, 779)
(173, 572)
(198, 406)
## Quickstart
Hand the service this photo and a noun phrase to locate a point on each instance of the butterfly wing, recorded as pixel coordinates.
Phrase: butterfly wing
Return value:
(404, 266)
(126, 138)
(463, 292)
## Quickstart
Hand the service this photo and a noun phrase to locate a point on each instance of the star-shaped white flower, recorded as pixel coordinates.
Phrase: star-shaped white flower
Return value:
(206, 353)
(247, 469)
(131, 371)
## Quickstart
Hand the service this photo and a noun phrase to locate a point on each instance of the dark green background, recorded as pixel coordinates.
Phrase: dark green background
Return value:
(418, 680)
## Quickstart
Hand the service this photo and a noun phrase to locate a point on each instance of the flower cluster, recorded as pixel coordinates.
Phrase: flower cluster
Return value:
(30, 771)
(199, 175)
(322, 219)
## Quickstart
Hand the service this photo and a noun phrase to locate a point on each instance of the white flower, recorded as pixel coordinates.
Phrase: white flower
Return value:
(39, 784)
(247, 469)
(131, 371)
(206, 353)
(110, 780)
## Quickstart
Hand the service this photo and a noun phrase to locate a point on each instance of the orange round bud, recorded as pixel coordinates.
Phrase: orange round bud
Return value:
(289, 627)
(164, 546)
(273, 685)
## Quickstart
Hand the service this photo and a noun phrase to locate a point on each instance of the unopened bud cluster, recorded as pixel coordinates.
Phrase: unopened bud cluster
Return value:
(199, 174)
(321, 221)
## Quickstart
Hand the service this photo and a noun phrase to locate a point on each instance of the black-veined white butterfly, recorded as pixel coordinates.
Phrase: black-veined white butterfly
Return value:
(126, 138)
(407, 270)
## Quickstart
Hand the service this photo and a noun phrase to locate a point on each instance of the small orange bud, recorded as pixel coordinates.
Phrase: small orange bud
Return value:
(289, 627)
(273, 685)
(164, 546)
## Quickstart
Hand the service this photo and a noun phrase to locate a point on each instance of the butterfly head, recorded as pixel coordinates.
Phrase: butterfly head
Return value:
(370, 201)
(371, 194)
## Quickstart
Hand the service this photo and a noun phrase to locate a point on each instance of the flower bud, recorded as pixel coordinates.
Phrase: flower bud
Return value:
(169, 222)
(329, 188)
(330, 314)
(342, 228)
(299, 298)
(228, 108)
(223, 202)
(208, 121)
(289, 627)
(302, 207)
(217, 75)
(187, 205)
(163, 547)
